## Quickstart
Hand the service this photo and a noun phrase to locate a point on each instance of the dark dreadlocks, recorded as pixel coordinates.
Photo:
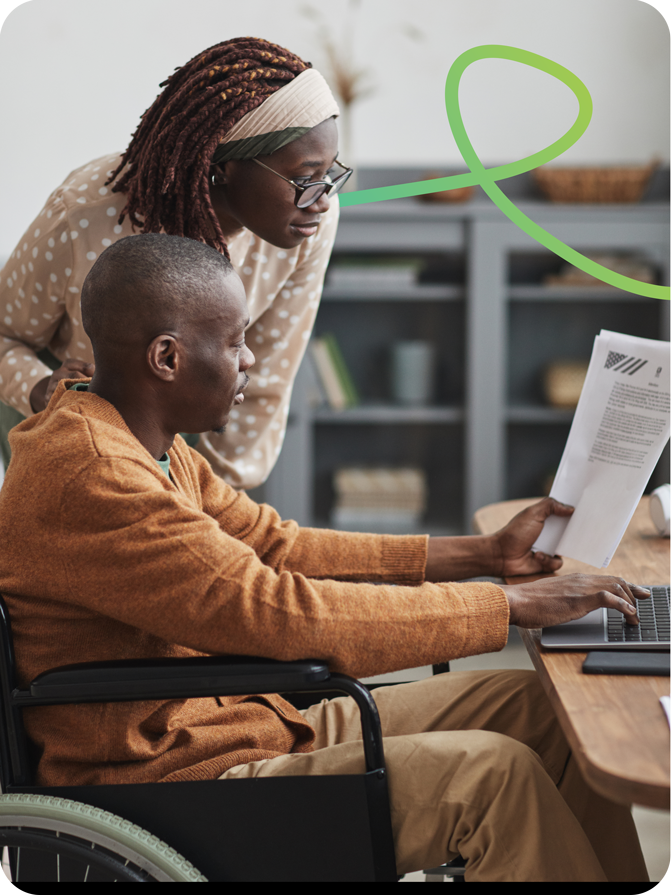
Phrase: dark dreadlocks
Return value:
(168, 159)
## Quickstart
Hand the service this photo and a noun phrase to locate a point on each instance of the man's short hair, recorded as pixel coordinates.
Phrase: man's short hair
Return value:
(145, 283)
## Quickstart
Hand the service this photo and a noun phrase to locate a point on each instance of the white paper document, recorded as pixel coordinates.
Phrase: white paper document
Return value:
(621, 425)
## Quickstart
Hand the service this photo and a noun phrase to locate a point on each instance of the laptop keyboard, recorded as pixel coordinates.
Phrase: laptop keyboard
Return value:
(654, 620)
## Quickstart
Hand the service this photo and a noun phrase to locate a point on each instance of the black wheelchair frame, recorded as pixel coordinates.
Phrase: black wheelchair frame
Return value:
(331, 828)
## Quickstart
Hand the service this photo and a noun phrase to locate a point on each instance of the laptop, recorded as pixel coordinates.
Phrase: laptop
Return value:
(607, 628)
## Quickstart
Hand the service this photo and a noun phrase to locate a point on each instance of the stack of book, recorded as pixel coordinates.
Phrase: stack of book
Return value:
(392, 273)
(632, 265)
(335, 385)
(382, 499)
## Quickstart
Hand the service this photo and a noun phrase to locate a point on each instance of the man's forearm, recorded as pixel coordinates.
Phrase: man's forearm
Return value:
(453, 559)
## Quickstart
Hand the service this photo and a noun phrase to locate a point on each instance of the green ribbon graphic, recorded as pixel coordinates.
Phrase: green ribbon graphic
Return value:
(487, 178)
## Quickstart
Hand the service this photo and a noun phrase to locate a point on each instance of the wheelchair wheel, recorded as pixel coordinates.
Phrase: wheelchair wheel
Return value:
(58, 840)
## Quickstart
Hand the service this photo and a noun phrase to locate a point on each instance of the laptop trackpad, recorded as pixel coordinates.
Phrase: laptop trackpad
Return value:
(581, 631)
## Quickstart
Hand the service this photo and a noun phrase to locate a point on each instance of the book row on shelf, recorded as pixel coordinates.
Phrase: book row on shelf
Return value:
(333, 381)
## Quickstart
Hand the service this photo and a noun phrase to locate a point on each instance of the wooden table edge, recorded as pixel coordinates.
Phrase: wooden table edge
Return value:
(615, 787)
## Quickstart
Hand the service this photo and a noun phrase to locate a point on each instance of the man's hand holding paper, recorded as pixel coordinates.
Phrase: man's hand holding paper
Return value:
(515, 539)
(620, 427)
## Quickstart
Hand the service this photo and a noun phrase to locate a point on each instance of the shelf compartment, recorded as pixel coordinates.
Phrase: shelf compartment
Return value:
(529, 273)
(533, 455)
(365, 331)
(540, 333)
(438, 449)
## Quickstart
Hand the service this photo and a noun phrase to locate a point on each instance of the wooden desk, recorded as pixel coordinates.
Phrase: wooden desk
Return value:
(615, 723)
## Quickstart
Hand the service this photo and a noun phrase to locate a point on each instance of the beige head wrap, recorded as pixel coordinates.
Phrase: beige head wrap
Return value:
(285, 116)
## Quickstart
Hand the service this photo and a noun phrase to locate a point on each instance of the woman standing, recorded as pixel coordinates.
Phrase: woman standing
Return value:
(238, 151)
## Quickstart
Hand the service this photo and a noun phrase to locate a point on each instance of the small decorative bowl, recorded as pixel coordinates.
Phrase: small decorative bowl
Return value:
(461, 194)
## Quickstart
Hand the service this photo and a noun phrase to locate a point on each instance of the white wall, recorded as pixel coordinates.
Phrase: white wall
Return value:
(75, 75)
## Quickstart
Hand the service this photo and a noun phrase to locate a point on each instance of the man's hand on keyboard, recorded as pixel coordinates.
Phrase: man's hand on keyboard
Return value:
(551, 601)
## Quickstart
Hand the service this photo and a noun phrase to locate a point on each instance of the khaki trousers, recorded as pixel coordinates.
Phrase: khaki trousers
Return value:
(477, 766)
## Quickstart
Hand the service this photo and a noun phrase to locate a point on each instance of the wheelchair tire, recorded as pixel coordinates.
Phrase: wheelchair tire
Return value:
(73, 842)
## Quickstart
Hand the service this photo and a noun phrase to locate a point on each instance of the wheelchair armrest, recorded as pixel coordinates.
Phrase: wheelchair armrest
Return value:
(171, 679)
(197, 677)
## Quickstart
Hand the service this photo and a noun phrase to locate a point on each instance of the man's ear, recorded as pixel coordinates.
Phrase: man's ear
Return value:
(163, 356)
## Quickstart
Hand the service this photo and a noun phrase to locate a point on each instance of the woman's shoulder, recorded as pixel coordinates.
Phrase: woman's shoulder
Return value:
(86, 205)
(87, 185)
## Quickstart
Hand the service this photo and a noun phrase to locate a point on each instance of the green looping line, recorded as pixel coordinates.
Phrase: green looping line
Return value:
(488, 177)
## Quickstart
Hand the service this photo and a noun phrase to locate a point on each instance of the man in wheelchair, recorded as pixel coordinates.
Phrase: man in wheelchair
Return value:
(119, 542)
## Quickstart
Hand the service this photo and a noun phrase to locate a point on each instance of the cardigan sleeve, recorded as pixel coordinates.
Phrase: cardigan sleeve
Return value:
(315, 553)
(143, 554)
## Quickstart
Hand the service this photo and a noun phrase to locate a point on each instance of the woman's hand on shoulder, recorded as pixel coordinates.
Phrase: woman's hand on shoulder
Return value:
(71, 368)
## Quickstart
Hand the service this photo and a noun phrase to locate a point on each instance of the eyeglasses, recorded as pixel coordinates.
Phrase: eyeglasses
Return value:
(308, 193)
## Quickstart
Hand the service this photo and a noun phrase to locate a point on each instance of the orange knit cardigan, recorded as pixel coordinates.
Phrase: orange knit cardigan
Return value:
(105, 557)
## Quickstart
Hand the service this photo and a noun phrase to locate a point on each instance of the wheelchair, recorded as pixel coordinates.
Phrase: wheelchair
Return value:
(311, 828)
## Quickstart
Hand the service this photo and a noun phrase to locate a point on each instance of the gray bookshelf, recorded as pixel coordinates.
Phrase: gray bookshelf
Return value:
(489, 435)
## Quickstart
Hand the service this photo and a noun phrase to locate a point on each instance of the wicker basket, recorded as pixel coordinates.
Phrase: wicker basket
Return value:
(596, 185)
(563, 381)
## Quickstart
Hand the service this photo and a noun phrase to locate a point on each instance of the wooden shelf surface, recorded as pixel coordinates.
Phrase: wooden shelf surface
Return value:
(570, 293)
(372, 292)
(531, 413)
(387, 414)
